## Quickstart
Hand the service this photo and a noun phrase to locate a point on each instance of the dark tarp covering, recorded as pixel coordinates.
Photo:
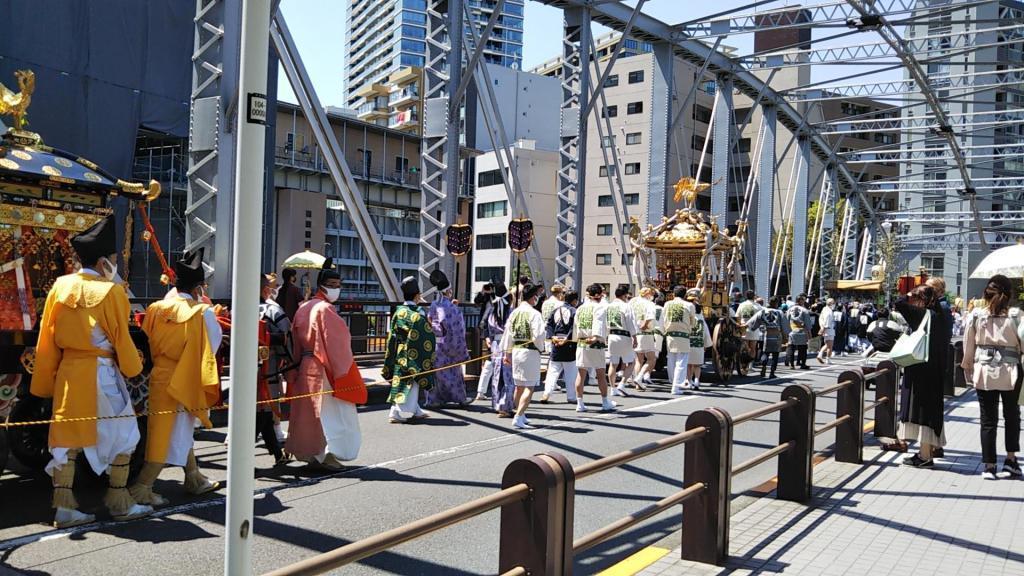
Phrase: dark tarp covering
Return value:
(103, 70)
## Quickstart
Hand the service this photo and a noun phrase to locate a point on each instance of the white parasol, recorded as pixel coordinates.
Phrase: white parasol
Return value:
(304, 260)
(1008, 261)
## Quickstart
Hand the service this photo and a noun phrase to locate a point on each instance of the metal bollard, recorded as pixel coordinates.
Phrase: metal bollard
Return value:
(796, 424)
(708, 460)
(850, 434)
(886, 385)
(536, 534)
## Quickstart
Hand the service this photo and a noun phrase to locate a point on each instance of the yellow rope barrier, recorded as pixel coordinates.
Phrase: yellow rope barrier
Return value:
(225, 406)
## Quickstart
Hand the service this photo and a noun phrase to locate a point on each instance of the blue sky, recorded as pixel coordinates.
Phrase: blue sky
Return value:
(319, 25)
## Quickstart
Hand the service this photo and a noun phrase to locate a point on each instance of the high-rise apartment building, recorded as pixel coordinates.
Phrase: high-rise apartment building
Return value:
(386, 35)
(931, 185)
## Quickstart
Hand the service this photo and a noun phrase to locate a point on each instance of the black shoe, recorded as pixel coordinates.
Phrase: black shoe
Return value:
(805, 367)
(1012, 467)
(762, 374)
(772, 375)
(917, 462)
(938, 453)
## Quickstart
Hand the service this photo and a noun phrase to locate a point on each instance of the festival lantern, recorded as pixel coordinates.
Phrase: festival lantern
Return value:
(520, 234)
(459, 240)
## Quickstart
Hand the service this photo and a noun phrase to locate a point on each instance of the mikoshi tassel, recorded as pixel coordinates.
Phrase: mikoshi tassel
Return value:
(64, 483)
(142, 490)
(118, 500)
(195, 482)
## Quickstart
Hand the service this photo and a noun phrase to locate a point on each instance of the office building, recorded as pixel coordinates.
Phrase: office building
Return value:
(383, 36)
(537, 171)
(944, 249)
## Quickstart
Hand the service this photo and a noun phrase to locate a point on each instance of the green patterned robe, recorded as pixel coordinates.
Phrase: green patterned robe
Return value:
(410, 351)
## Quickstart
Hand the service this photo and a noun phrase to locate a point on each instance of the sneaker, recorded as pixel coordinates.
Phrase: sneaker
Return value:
(1012, 467)
(581, 407)
(607, 405)
(820, 359)
(695, 386)
(544, 399)
(521, 424)
(989, 474)
(621, 391)
(917, 462)
(678, 390)
(686, 385)
(616, 391)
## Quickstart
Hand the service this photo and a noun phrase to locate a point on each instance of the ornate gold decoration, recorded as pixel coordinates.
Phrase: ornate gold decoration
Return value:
(92, 177)
(52, 171)
(688, 188)
(21, 155)
(46, 217)
(87, 163)
(14, 104)
(9, 164)
(63, 162)
(28, 359)
(149, 193)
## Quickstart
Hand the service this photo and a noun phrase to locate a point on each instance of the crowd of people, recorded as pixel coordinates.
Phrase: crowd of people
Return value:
(84, 354)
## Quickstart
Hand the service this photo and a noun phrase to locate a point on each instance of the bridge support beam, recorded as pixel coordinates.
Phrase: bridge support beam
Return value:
(724, 133)
(765, 203)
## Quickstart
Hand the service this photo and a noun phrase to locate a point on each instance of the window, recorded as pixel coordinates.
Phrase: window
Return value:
(414, 17)
(411, 60)
(740, 114)
(634, 108)
(636, 76)
(698, 143)
(401, 164)
(627, 259)
(604, 170)
(491, 241)
(610, 112)
(608, 141)
(413, 31)
(605, 201)
(413, 46)
(633, 138)
(309, 213)
(492, 209)
(489, 178)
(488, 273)
(701, 114)
(604, 259)
(309, 234)
(632, 199)
(611, 80)
(743, 146)
(632, 168)
(933, 264)
(604, 229)
(415, 4)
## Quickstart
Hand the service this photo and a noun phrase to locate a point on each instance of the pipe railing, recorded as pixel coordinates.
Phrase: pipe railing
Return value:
(538, 493)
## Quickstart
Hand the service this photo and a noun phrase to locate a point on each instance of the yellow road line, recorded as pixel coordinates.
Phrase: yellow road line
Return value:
(636, 562)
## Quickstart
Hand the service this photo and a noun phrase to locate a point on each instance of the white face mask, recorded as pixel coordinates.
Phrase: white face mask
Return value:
(109, 268)
(331, 293)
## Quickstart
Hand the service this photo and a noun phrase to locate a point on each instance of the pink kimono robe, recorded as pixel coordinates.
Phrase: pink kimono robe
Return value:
(323, 344)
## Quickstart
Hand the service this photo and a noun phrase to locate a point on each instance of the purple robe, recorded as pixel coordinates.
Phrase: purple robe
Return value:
(502, 386)
(450, 331)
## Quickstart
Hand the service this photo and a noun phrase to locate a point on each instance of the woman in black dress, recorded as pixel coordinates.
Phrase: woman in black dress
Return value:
(921, 400)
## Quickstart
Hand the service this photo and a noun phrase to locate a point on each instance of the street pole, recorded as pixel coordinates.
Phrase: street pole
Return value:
(251, 137)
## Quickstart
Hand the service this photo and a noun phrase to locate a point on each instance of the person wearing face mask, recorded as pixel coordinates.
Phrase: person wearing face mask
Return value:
(521, 345)
(276, 329)
(83, 354)
(500, 378)
(410, 350)
(323, 429)
(183, 338)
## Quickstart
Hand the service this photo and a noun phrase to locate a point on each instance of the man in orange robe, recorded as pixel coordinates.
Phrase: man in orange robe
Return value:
(83, 354)
(324, 428)
(183, 337)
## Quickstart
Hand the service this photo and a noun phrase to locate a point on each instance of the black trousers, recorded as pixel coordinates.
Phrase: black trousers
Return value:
(764, 361)
(801, 355)
(265, 428)
(988, 401)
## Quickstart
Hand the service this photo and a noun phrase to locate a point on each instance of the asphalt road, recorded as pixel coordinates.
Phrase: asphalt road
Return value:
(403, 473)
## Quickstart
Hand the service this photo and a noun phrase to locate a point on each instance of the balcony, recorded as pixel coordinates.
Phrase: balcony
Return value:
(403, 97)
(404, 120)
(372, 110)
(372, 90)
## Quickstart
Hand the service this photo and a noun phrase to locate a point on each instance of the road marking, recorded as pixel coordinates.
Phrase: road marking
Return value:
(220, 501)
(636, 562)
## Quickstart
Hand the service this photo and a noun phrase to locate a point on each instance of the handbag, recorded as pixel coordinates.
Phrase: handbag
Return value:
(912, 349)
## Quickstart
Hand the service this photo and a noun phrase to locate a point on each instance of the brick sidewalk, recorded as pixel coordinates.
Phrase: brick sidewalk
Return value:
(884, 518)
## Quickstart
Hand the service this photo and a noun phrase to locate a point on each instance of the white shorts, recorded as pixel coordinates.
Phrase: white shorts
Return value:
(620, 349)
(830, 335)
(753, 335)
(696, 357)
(647, 343)
(659, 341)
(590, 357)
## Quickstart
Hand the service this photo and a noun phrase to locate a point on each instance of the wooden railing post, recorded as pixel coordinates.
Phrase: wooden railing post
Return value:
(536, 534)
(796, 424)
(850, 434)
(886, 385)
(708, 460)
